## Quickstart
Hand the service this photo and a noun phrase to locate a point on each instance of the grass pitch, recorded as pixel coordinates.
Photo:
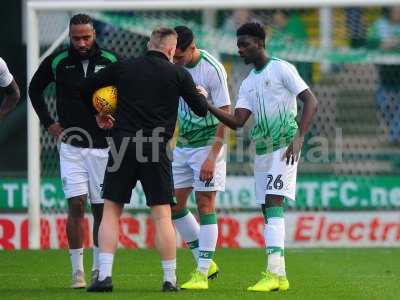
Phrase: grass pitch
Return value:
(313, 274)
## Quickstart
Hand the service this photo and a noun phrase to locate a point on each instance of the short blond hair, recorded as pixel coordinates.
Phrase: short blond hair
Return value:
(160, 36)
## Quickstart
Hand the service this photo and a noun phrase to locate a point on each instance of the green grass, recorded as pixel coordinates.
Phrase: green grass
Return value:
(314, 274)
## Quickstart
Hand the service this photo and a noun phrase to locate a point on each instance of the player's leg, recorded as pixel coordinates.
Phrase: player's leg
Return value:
(117, 190)
(274, 235)
(274, 181)
(76, 212)
(96, 161)
(208, 235)
(185, 223)
(75, 185)
(108, 242)
(97, 211)
(165, 242)
(108, 236)
(156, 179)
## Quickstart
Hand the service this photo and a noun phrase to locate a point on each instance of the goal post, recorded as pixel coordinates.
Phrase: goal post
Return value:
(33, 133)
(35, 7)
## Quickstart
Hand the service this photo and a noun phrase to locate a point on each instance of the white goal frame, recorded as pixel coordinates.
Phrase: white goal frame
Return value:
(32, 30)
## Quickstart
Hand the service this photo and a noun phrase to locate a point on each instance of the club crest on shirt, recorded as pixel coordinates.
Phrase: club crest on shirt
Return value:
(268, 83)
(98, 68)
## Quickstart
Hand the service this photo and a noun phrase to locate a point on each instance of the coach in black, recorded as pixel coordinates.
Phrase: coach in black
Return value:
(149, 88)
(83, 148)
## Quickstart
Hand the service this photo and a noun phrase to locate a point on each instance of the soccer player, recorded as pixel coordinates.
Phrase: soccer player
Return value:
(269, 92)
(10, 88)
(199, 158)
(149, 88)
(84, 149)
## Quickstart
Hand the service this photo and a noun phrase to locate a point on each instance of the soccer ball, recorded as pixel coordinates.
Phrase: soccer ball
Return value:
(105, 99)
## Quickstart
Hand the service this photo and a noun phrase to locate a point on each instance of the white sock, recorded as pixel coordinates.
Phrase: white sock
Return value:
(274, 234)
(208, 237)
(106, 263)
(169, 268)
(189, 229)
(282, 269)
(95, 265)
(274, 263)
(76, 256)
(194, 247)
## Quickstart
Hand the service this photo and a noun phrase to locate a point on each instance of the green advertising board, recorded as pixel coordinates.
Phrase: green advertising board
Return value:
(313, 193)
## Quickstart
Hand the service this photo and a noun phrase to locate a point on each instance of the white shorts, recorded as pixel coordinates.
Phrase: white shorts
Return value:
(186, 168)
(82, 171)
(273, 176)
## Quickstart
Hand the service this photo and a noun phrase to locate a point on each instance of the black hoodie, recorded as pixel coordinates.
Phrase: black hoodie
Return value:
(65, 69)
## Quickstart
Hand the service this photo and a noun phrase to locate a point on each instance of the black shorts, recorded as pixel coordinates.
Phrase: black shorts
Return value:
(155, 175)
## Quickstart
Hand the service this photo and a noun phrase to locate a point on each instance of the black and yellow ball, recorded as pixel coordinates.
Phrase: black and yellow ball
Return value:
(105, 99)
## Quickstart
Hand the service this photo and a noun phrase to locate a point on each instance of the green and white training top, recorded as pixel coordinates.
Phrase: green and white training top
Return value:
(197, 131)
(270, 94)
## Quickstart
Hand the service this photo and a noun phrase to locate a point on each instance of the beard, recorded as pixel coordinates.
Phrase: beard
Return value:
(84, 54)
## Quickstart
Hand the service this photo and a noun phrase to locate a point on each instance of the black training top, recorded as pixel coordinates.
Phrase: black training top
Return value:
(66, 69)
(149, 88)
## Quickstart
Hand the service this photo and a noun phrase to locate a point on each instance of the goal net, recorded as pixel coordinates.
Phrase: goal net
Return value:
(337, 50)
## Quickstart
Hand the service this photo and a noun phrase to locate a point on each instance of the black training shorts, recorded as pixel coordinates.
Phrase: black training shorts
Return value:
(155, 174)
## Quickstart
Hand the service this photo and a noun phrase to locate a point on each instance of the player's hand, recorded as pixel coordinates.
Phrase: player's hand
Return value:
(202, 90)
(292, 153)
(55, 129)
(207, 170)
(105, 121)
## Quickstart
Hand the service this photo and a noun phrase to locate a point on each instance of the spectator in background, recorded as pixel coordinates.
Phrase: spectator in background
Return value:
(288, 27)
(384, 35)
(238, 18)
(289, 30)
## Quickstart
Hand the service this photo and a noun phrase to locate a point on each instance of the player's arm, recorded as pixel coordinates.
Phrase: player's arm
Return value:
(242, 111)
(309, 109)
(191, 95)
(11, 98)
(218, 86)
(235, 121)
(40, 80)
(208, 166)
(219, 93)
(295, 84)
(220, 134)
(105, 77)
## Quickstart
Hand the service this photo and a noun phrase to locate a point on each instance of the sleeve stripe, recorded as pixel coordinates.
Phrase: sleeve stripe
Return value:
(57, 60)
(108, 55)
(218, 67)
